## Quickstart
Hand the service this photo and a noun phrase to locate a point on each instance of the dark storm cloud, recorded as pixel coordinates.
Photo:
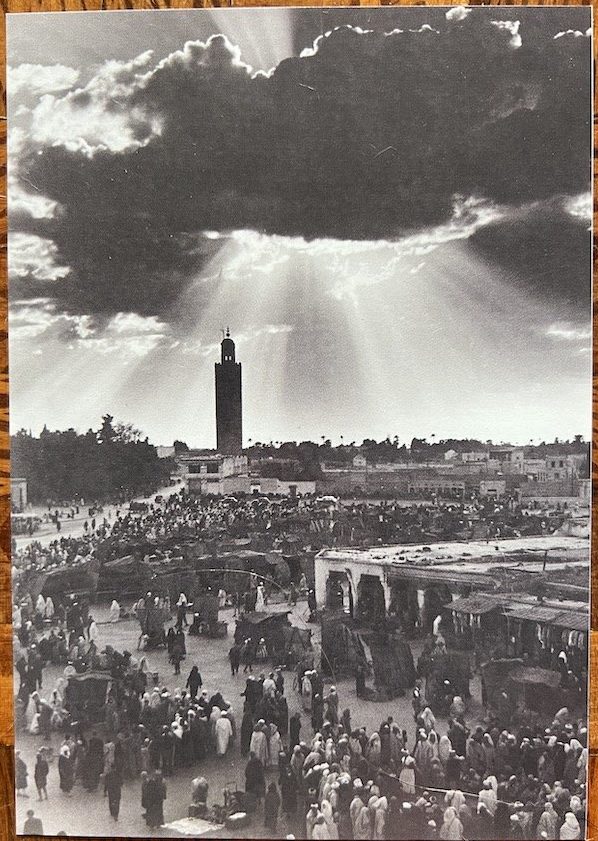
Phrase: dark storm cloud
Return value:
(368, 137)
(550, 248)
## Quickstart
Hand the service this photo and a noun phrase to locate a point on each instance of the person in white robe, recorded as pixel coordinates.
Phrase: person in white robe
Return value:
(260, 602)
(214, 717)
(49, 609)
(259, 743)
(17, 622)
(92, 630)
(114, 611)
(274, 746)
(487, 798)
(224, 732)
(306, 691)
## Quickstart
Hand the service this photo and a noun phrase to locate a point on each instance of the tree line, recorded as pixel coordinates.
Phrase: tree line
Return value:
(111, 463)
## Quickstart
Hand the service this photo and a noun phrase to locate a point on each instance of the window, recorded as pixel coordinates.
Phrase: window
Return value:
(212, 467)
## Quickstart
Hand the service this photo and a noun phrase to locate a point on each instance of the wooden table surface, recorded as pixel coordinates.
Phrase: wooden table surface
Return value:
(6, 689)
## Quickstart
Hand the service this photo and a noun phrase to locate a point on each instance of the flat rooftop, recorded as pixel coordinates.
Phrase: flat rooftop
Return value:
(525, 553)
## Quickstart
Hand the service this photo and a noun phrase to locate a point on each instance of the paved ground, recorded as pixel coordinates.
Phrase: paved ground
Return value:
(75, 527)
(85, 814)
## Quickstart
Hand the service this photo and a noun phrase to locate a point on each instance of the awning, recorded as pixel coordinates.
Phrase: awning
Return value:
(572, 620)
(432, 574)
(257, 617)
(476, 605)
(535, 675)
(534, 613)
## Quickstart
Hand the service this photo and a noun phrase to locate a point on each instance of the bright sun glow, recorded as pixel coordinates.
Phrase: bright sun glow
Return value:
(334, 337)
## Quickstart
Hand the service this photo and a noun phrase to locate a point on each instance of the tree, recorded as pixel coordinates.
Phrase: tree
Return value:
(112, 462)
(106, 433)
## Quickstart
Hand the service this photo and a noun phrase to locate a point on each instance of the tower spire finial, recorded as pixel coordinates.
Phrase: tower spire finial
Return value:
(228, 332)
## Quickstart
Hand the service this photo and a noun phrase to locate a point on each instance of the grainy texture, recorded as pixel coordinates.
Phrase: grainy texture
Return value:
(6, 691)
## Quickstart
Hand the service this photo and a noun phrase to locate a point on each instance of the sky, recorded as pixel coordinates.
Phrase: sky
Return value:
(390, 209)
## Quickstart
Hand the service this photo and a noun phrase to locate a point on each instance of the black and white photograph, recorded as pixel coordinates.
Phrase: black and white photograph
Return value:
(300, 413)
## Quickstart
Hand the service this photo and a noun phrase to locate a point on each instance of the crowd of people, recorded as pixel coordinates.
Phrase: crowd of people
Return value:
(306, 763)
(310, 521)
(318, 769)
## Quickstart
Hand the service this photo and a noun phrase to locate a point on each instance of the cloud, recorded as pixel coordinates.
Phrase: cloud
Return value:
(545, 249)
(568, 332)
(212, 349)
(32, 319)
(34, 257)
(368, 136)
(40, 79)
(512, 27)
(125, 333)
(458, 13)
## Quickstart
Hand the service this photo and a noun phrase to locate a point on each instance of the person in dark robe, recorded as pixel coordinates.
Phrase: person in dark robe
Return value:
(155, 795)
(288, 789)
(385, 746)
(195, 627)
(246, 731)
(346, 721)
(502, 823)
(21, 775)
(198, 728)
(144, 784)
(317, 713)
(112, 789)
(40, 775)
(170, 637)
(194, 682)
(66, 770)
(45, 719)
(167, 740)
(359, 680)
(255, 782)
(294, 730)
(234, 656)
(271, 807)
(186, 746)
(217, 700)
(247, 656)
(33, 825)
(282, 718)
(178, 651)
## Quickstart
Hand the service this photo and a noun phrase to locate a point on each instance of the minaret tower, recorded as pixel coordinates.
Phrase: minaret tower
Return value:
(229, 434)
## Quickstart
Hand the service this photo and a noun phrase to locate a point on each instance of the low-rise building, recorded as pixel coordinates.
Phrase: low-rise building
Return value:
(563, 466)
(204, 473)
(165, 452)
(438, 485)
(493, 488)
(416, 581)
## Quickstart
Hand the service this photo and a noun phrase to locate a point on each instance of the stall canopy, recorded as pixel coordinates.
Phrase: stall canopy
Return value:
(476, 604)
(82, 578)
(534, 613)
(573, 620)
(535, 675)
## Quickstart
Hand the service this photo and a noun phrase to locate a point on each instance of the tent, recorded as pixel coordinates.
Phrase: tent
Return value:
(86, 695)
(270, 627)
(61, 581)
